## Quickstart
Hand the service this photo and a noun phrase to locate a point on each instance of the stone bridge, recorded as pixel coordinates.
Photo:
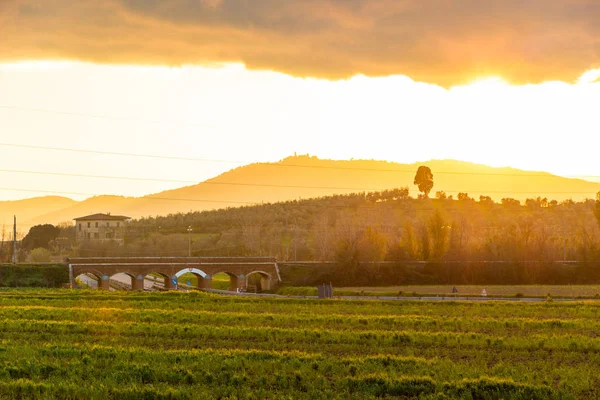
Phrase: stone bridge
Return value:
(171, 268)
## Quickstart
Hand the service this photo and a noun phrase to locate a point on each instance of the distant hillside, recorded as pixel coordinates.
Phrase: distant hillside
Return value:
(31, 208)
(307, 177)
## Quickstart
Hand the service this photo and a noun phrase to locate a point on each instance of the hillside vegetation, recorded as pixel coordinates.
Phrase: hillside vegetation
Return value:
(380, 237)
(381, 226)
(303, 177)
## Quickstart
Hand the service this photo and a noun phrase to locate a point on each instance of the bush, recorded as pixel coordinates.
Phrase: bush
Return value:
(55, 275)
(40, 255)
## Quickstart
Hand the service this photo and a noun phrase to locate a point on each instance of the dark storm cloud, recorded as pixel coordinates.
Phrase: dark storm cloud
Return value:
(438, 41)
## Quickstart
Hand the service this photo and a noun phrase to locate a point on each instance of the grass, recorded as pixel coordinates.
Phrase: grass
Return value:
(494, 290)
(568, 291)
(125, 345)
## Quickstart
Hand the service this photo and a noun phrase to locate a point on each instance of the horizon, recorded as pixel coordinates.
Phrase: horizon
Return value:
(186, 112)
(78, 197)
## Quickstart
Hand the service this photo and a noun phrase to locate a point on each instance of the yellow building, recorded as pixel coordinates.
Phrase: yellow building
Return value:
(101, 227)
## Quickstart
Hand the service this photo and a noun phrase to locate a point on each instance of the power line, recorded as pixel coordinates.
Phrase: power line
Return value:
(134, 198)
(152, 197)
(112, 153)
(102, 116)
(165, 157)
(13, 171)
(236, 203)
(251, 184)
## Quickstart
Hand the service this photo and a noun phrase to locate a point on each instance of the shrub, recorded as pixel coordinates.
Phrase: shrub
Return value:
(40, 255)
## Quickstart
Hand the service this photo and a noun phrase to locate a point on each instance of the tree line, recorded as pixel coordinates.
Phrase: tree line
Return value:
(379, 226)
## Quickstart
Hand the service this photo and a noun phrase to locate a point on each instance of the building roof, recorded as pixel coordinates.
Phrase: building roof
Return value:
(102, 217)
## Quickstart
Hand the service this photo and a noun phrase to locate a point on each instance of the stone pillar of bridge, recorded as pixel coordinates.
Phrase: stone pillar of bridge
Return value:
(265, 282)
(104, 282)
(137, 283)
(169, 285)
(205, 283)
(237, 282)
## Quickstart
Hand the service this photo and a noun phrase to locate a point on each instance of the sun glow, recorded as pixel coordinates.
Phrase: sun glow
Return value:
(591, 76)
(199, 112)
(37, 65)
(489, 82)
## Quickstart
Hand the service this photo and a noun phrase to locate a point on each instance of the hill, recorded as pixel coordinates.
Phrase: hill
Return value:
(309, 177)
(31, 208)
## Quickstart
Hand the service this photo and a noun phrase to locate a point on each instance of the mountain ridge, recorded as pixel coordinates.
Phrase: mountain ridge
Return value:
(305, 177)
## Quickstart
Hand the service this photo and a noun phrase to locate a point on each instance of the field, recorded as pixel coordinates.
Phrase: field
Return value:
(589, 291)
(124, 345)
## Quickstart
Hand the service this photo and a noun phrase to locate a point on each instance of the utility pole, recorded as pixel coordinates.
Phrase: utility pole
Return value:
(15, 241)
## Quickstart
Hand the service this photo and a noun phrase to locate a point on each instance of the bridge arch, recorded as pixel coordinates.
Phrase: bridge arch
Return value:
(91, 279)
(119, 281)
(155, 280)
(235, 281)
(204, 279)
(261, 279)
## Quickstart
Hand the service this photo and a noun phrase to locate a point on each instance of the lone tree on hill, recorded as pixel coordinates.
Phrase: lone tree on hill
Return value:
(424, 179)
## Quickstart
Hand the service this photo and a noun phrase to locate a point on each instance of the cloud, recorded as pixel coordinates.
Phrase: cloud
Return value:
(436, 41)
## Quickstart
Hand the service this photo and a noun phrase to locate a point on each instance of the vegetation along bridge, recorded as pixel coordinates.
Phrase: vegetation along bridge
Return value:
(171, 268)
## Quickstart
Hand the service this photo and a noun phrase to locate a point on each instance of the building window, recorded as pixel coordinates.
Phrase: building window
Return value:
(96, 235)
(118, 224)
(89, 235)
(107, 224)
(89, 224)
(108, 235)
(96, 224)
(80, 227)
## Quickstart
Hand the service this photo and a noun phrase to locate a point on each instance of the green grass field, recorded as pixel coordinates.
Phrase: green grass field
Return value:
(123, 345)
(566, 291)
(493, 290)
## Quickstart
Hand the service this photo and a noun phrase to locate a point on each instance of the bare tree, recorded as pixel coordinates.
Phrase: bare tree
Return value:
(322, 238)
(251, 235)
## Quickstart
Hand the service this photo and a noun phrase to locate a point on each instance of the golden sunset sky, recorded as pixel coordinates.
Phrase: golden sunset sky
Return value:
(502, 83)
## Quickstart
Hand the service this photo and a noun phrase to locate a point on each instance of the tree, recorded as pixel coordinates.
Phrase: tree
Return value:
(424, 179)
(464, 197)
(511, 203)
(372, 246)
(409, 242)
(486, 201)
(438, 230)
(40, 236)
(40, 255)
(441, 195)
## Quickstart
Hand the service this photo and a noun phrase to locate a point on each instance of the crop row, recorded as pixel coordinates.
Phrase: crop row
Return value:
(488, 325)
(70, 344)
(462, 355)
(206, 302)
(226, 373)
